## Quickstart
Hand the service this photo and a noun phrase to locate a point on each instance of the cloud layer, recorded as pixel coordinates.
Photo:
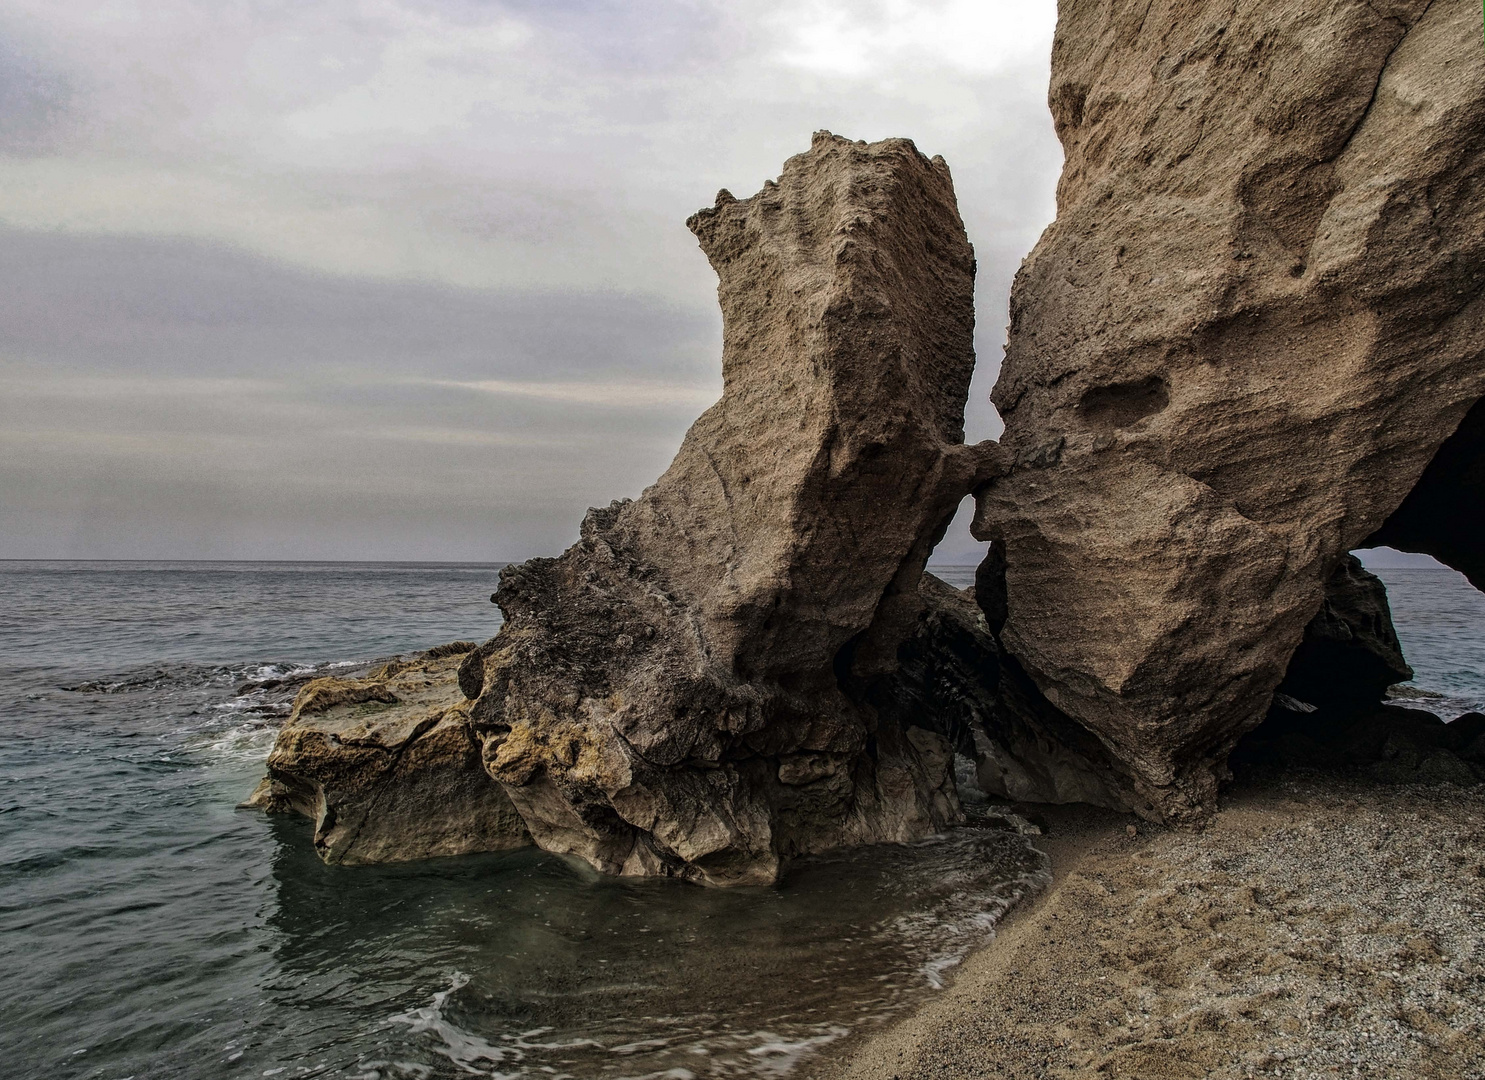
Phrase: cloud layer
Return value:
(409, 278)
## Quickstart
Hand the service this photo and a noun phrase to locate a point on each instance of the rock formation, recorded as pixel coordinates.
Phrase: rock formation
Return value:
(954, 677)
(387, 767)
(676, 694)
(1255, 322)
(1385, 742)
(1253, 340)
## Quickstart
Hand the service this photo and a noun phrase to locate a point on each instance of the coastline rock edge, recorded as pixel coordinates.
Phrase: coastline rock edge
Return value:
(387, 768)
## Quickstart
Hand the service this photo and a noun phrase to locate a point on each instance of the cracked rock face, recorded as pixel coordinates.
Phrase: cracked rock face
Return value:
(954, 677)
(388, 769)
(1254, 323)
(672, 695)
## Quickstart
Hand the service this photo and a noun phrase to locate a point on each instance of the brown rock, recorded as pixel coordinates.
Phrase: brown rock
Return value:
(955, 678)
(1256, 319)
(666, 697)
(387, 768)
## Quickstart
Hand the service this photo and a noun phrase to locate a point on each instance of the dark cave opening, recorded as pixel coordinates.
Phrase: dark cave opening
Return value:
(1332, 709)
(1444, 515)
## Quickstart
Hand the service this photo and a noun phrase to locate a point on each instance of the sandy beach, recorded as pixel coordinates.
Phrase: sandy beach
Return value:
(1318, 927)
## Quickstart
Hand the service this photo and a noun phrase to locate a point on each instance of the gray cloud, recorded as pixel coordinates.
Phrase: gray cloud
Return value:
(170, 398)
(35, 100)
(150, 304)
(409, 278)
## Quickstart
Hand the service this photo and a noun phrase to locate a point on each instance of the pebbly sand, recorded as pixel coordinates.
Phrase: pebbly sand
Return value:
(1319, 927)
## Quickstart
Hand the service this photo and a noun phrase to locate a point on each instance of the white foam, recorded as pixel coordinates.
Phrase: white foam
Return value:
(459, 1046)
(779, 1057)
(934, 969)
(467, 1050)
(636, 1047)
(522, 1042)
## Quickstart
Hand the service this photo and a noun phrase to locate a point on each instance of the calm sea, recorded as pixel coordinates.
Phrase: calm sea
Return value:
(1440, 619)
(150, 929)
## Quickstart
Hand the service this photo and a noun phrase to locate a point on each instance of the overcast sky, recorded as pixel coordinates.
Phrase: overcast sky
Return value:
(410, 278)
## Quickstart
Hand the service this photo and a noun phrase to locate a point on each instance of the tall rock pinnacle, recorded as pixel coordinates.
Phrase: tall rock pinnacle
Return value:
(674, 694)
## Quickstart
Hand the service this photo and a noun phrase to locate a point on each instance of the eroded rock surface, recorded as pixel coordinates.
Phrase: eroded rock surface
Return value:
(1254, 323)
(387, 767)
(671, 695)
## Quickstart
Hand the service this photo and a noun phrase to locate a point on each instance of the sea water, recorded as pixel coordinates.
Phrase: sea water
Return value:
(148, 928)
(1440, 620)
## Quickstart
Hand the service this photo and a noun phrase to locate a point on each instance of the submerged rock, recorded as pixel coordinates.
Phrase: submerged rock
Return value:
(1256, 320)
(674, 694)
(387, 767)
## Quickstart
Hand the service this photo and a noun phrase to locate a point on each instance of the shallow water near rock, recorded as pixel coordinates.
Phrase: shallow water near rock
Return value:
(148, 928)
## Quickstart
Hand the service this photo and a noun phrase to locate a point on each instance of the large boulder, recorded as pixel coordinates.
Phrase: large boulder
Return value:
(387, 768)
(1255, 321)
(673, 695)
(954, 677)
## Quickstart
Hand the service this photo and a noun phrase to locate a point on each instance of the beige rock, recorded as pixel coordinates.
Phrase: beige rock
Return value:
(1255, 321)
(387, 768)
(666, 698)
(955, 678)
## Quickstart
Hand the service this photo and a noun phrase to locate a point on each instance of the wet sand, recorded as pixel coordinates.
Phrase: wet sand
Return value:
(1319, 927)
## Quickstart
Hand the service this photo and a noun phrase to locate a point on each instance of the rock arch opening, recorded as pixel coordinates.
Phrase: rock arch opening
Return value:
(1444, 515)
(1339, 704)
